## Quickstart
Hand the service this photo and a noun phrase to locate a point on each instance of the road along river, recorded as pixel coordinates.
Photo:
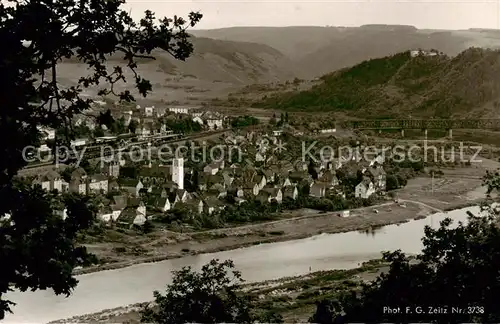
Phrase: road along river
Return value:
(120, 287)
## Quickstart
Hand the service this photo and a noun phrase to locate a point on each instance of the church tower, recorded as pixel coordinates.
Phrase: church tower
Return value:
(178, 172)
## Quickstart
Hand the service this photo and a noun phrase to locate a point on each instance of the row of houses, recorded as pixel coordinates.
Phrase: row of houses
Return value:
(79, 183)
(160, 188)
(148, 117)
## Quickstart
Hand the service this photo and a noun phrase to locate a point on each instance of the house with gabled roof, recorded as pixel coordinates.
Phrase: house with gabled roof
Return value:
(195, 204)
(156, 174)
(364, 189)
(130, 217)
(379, 177)
(260, 180)
(290, 192)
(236, 191)
(105, 213)
(275, 169)
(50, 180)
(217, 190)
(260, 157)
(270, 194)
(326, 165)
(97, 183)
(298, 176)
(179, 195)
(336, 191)
(285, 167)
(329, 178)
(283, 181)
(269, 174)
(234, 166)
(167, 187)
(379, 159)
(211, 168)
(251, 190)
(120, 201)
(205, 181)
(318, 190)
(133, 214)
(132, 186)
(40, 181)
(300, 166)
(228, 178)
(212, 204)
(162, 204)
(363, 165)
(113, 185)
(78, 185)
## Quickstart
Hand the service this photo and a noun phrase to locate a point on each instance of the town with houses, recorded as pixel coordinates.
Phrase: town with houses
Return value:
(131, 198)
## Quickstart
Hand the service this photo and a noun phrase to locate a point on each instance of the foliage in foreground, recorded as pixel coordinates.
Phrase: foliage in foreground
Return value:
(211, 296)
(37, 249)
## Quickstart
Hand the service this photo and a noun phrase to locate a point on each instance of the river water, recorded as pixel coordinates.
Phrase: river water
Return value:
(115, 288)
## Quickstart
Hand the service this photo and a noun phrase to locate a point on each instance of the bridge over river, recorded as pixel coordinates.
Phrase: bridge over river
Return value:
(422, 124)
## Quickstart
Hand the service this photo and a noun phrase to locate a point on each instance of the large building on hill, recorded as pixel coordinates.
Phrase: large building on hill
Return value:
(420, 52)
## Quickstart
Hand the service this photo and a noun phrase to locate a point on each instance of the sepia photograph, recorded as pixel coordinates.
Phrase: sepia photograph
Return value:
(265, 161)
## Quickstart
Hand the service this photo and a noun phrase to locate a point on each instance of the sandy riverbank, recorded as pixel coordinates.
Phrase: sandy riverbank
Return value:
(174, 245)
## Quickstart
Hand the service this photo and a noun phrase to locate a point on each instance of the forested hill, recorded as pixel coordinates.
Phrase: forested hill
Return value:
(466, 85)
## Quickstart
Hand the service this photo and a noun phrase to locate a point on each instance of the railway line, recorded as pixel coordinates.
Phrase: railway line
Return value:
(98, 150)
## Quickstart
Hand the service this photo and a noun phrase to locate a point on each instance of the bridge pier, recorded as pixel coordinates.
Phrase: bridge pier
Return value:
(425, 133)
(402, 133)
(450, 133)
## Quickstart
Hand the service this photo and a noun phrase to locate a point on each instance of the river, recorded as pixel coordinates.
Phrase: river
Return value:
(120, 287)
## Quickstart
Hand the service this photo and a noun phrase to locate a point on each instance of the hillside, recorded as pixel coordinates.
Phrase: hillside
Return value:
(467, 85)
(294, 42)
(214, 67)
(318, 50)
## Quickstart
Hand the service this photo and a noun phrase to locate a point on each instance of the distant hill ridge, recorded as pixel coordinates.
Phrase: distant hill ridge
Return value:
(317, 50)
(467, 85)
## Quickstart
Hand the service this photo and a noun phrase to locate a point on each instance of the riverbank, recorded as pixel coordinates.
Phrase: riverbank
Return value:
(135, 284)
(293, 297)
(172, 245)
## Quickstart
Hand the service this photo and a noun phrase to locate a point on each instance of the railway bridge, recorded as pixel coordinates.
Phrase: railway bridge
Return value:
(422, 124)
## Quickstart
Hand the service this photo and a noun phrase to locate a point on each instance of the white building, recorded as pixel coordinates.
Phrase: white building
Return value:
(127, 117)
(179, 110)
(328, 130)
(345, 213)
(78, 185)
(416, 53)
(364, 189)
(197, 119)
(143, 131)
(98, 183)
(148, 111)
(78, 142)
(178, 172)
(196, 113)
(47, 133)
(50, 181)
(44, 148)
(214, 123)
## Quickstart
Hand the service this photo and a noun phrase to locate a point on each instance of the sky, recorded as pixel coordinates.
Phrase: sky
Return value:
(444, 14)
